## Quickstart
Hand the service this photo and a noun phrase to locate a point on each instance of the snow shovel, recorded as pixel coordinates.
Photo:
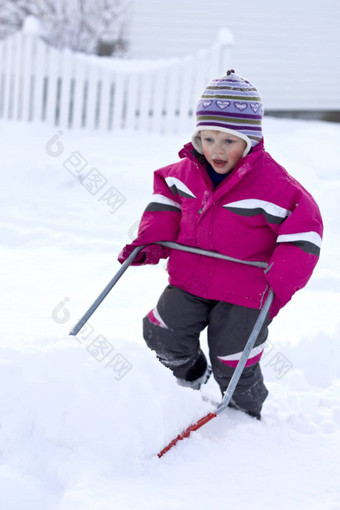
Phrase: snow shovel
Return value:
(169, 244)
(245, 354)
(233, 381)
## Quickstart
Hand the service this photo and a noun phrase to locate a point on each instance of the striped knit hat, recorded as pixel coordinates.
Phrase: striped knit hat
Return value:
(232, 105)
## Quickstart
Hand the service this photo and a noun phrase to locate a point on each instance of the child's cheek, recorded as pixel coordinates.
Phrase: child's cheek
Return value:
(235, 154)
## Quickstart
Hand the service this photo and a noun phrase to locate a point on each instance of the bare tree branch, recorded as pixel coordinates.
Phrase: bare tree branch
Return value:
(81, 25)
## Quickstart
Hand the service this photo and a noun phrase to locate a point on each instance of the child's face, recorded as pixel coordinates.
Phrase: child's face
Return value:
(222, 150)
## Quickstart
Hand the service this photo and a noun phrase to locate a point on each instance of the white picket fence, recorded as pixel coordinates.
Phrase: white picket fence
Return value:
(41, 84)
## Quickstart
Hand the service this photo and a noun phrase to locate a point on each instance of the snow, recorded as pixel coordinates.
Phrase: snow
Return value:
(32, 26)
(83, 418)
(225, 37)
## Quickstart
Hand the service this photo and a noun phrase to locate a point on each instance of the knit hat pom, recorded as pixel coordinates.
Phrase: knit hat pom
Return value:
(232, 105)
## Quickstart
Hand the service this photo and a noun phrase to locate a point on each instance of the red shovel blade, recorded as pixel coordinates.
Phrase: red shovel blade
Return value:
(187, 432)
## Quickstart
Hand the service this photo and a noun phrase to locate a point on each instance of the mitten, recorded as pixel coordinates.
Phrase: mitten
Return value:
(149, 255)
(126, 252)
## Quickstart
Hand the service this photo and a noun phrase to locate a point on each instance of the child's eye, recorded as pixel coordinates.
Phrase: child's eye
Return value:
(208, 140)
(229, 141)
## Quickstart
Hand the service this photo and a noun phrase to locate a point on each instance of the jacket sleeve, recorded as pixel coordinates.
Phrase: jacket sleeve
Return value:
(297, 250)
(162, 216)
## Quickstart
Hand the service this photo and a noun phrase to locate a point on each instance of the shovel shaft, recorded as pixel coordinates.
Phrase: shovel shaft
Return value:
(131, 258)
(245, 354)
(105, 292)
(212, 254)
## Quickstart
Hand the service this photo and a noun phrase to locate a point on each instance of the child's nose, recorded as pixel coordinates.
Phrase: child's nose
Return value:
(219, 148)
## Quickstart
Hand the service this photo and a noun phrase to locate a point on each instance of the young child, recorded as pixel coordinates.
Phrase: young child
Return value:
(228, 195)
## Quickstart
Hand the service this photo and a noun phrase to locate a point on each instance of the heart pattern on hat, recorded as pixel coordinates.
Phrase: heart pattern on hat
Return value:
(254, 107)
(240, 106)
(222, 104)
(206, 103)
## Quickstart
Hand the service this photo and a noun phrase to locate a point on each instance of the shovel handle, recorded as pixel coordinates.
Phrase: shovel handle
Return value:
(131, 258)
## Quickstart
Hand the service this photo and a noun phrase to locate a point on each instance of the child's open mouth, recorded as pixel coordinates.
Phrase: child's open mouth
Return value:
(219, 162)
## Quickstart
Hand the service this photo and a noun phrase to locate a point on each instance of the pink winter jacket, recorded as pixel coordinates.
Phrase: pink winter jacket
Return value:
(259, 212)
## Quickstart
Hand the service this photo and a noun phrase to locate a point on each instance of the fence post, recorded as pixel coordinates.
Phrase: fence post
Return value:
(5, 77)
(119, 99)
(172, 95)
(159, 84)
(144, 101)
(185, 94)
(92, 92)
(28, 69)
(53, 82)
(78, 93)
(226, 42)
(132, 85)
(38, 105)
(65, 82)
(105, 80)
(14, 107)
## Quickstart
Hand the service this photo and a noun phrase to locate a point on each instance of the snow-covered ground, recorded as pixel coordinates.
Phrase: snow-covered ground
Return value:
(83, 418)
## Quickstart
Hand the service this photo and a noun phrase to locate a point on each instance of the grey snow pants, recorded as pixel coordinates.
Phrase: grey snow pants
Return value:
(173, 328)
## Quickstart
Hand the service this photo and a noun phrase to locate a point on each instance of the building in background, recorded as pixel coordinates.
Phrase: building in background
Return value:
(289, 49)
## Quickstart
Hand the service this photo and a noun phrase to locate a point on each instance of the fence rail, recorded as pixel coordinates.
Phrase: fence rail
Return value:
(41, 84)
